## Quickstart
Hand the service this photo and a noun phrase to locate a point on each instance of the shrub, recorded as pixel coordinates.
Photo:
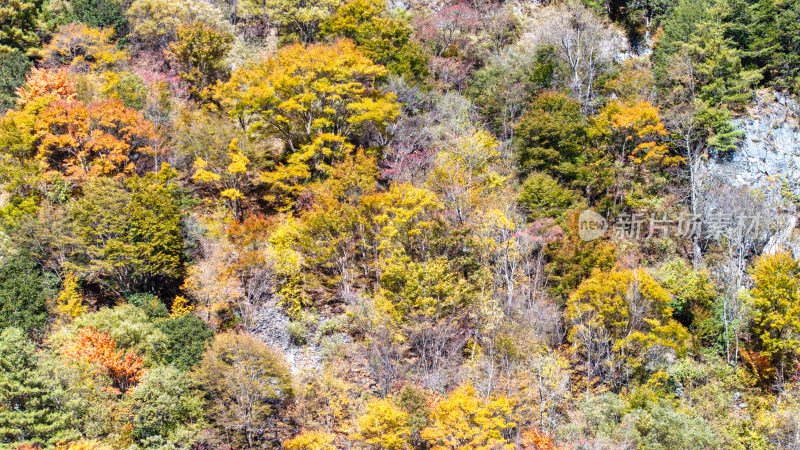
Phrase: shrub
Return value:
(186, 340)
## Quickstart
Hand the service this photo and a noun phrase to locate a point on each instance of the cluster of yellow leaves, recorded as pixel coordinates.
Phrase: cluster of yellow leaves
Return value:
(385, 425)
(775, 301)
(496, 235)
(304, 91)
(85, 445)
(313, 98)
(180, 307)
(124, 86)
(464, 420)
(231, 182)
(69, 300)
(635, 129)
(298, 19)
(287, 263)
(327, 402)
(201, 174)
(124, 368)
(429, 288)
(83, 48)
(238, 162)
(401, 218)
(199, 56)
(287, 181)
(311, 440)
(616, 316)
(779, 418)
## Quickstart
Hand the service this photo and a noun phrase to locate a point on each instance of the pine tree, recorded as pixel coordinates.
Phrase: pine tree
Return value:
(22, 294)
(28, 406)
(18, 24)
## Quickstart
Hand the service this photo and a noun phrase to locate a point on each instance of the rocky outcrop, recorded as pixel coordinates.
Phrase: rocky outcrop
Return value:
(768, 160)
(271, 325)
(769, 151)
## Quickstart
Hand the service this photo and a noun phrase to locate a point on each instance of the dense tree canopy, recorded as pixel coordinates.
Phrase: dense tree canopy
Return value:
(367, 224)
(129, 233)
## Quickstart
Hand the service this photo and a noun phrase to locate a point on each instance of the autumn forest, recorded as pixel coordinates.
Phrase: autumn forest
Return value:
(397, 225)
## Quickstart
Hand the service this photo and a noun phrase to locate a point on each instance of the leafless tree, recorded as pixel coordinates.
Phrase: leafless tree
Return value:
(585, 43)
(722, 210)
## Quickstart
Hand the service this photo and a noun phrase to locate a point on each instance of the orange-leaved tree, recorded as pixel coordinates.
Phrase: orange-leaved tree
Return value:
(84, 140)
(41, 82)
(124, 368)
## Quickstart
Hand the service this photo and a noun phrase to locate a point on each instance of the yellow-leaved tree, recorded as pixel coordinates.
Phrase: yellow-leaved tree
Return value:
(311, 440)
(384, 426)
(70, 300)
(400, 221)
(317, 100)
(465, 420)
(228, 182)
(775, 302)
(465, 174)
(180, 307)
(633, 131)
(633, 135)
(82, 49)
(620, 321)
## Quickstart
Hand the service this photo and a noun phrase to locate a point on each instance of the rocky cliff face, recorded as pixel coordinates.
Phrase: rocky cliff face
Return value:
(770, 147)
(768, 158)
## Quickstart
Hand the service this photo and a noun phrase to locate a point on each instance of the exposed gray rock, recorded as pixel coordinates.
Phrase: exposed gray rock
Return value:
(271, 325)
(768, 159)
(769, 151)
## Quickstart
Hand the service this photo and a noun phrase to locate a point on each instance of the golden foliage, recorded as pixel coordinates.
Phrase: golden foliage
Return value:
(180, 307)
(306, 91)
(464, 420)
(84, 445)
(635, 130)
(69, 300)
(616, 317)
(385, 426)
(775, 300)
(311, 440)
(313, 98)
(83, 48)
